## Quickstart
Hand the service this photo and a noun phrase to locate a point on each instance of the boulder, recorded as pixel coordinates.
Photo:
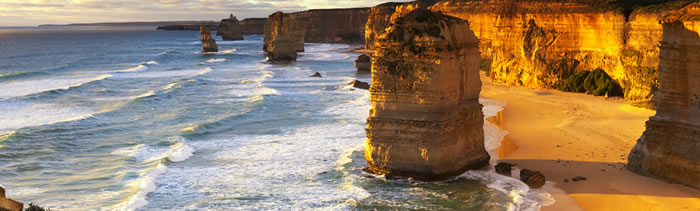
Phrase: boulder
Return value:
(533, 179)
(426, 121)
(359, 84)
(9, 204)
(316, 75)
(363, 63)
(229, 29)
(208, 44)
(578, 178)
(504, 168)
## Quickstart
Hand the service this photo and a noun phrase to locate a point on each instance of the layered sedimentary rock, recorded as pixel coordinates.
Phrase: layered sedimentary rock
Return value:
(363, 63)
(208, 43)
(321, 26)
(253, 25)
(670, 146)
(426, 121)
(380, 17)
(281, 26)
(282, 40)
(229, 29)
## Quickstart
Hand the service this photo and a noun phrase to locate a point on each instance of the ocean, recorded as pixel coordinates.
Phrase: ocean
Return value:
(130, 118)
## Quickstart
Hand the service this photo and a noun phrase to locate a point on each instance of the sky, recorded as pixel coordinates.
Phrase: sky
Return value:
(36, 12)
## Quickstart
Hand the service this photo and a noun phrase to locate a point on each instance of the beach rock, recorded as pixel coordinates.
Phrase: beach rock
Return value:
(282, 40)
(208, 44)
(533, 179)
(426, 122)
(316, 75)
(669, 149)
(229, 29)
(9, 204)
(359, 84)
(578, 178)
(555, 39)
(363, 63)
(253, 25)
(504, 168)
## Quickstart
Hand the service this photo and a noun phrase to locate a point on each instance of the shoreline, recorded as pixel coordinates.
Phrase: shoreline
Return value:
(565, 135)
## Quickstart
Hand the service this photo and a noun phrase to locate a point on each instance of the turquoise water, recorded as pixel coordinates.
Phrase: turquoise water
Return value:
(99, 118)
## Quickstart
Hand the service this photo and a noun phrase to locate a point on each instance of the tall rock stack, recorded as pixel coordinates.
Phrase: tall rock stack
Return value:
(208, 44)
(282, 39)
(670, 147)
(229, 29)
(426, 121)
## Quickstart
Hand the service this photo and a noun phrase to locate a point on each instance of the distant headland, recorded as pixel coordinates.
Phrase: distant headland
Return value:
(155, 23)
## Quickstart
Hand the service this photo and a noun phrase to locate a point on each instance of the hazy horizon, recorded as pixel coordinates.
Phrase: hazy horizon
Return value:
(38, 12)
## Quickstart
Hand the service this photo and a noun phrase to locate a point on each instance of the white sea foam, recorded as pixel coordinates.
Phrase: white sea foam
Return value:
(215, 60)
(178, 151)
(21, 114)
(150, 63)
(144, 95)
(166, 73)
(493, 135)
(524, 198)
(140, 67)
(12, 89)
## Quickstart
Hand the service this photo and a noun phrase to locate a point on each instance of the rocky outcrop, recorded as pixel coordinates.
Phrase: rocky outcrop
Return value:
(670, 147)
(281, 26)
(426, 121)
(186, 27)
(321, 26)
(540, 43)
(229, 29)
(363, 63)
(380, 17)
(253, 25)
(208, 44)
(9, 204)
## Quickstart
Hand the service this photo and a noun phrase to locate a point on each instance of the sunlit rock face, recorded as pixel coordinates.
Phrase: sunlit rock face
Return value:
(426, 121)
(282, 40)
(539, 43)
(253, 25)
(208, 44)
(229, 29)
(670, 147)
(281, 26)
(381, 16)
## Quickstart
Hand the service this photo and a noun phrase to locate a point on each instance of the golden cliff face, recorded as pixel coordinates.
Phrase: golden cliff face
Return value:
(670, 147)
(541, 43)
(379, 19)
(426, 120)
(281, 26)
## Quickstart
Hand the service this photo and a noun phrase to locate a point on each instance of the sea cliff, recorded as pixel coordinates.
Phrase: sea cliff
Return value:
(253, 25)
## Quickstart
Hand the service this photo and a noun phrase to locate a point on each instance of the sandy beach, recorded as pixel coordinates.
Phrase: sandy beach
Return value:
(565, 135)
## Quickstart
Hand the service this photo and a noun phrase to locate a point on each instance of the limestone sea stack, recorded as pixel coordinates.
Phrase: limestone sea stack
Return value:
(426, 122)
(208, 44)
(282, 40)
(9, 204)
(229, 29)
(363, 63)
(670, 147)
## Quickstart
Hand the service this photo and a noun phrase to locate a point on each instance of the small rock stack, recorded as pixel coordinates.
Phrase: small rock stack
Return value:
(426, 122)
(9, 204)
(363, 63)
(230, 29)
(208, 43)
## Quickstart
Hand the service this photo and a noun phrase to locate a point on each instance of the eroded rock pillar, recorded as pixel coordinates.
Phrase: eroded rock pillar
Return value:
(230, 29)
(426, 121)
(208, 43)
(670, 147)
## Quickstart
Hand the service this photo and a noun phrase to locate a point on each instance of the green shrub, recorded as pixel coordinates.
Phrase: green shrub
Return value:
(596, 82)
(485, 66)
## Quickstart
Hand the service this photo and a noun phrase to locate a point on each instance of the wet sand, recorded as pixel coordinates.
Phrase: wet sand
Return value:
(565, 135)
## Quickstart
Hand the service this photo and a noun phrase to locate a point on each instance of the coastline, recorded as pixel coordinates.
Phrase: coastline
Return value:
(565, 135)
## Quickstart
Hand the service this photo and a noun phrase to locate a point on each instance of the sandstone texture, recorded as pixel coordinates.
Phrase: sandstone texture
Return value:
(9, 204)
(321, 26)
(208, 43)
(540, 43)
(426, 121)
(281, 26)
(670, 147)
(253, 25)
(229, 29)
